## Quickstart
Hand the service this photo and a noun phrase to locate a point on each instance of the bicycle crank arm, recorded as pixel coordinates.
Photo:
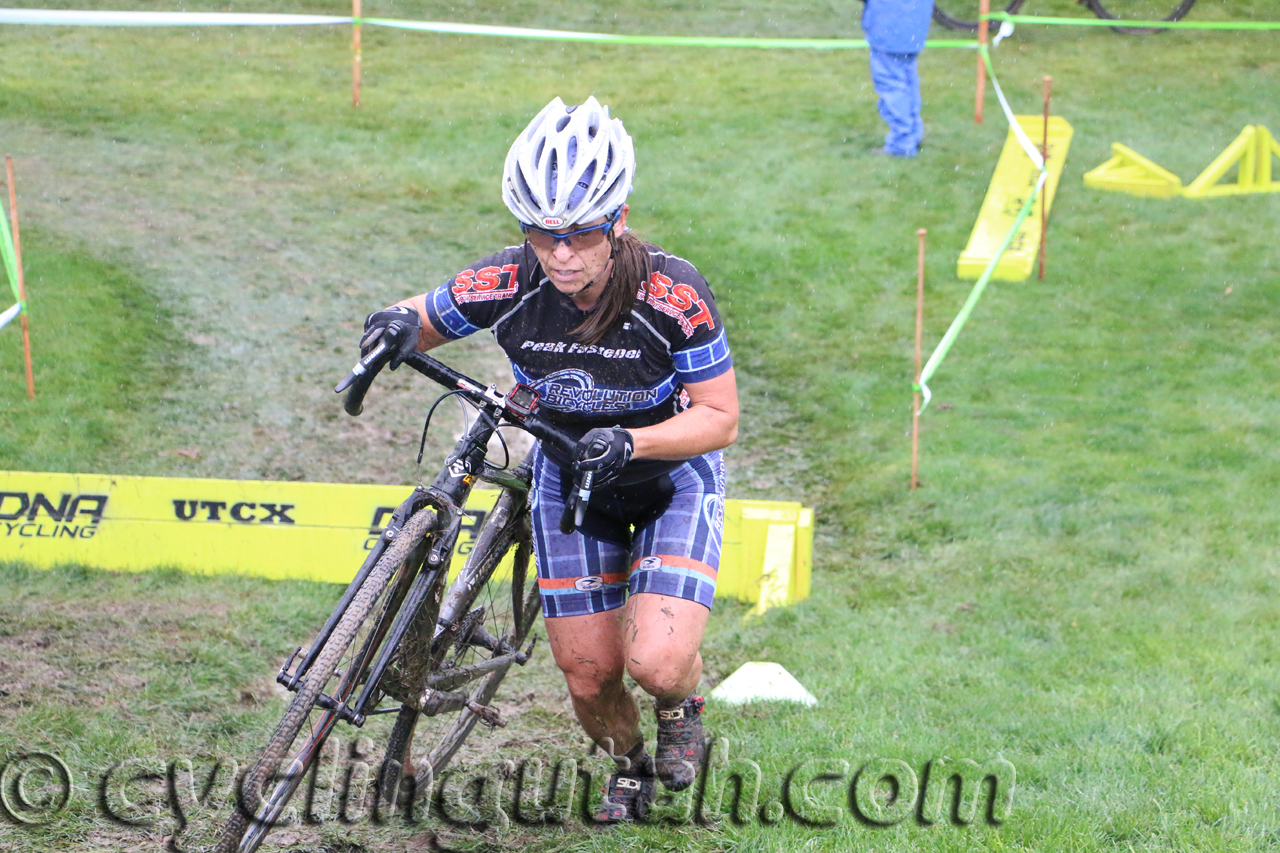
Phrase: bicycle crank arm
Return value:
(453, 678)
(433, 702)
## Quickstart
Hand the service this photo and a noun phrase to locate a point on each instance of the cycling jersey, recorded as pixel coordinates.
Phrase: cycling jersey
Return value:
(632, 377)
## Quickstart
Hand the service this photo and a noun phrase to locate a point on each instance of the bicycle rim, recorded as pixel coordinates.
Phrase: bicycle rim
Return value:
(510, 607)
(1140, 10)
(339, 671)
(962, 15)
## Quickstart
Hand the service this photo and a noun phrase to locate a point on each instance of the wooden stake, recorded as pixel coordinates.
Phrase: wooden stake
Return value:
(1044, 196)
(980, 93)
(22, 285)
(355, 53)
(915, 398)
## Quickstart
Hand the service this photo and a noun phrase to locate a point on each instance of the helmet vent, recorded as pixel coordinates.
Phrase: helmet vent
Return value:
(553, 178)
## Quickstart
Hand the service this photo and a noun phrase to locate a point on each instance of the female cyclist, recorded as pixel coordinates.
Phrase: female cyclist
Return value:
(623, 342)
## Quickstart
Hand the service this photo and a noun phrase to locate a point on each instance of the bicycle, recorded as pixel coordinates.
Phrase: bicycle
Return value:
(963, 14)
(439, 655)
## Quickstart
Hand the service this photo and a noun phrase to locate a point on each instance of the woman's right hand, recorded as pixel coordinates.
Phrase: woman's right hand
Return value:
(397, 327)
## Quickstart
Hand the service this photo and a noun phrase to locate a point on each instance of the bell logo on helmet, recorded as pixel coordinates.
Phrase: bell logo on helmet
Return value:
(553, 221)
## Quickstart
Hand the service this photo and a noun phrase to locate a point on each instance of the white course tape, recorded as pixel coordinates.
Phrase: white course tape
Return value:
(58, 17)
(484, 30)
(10, 314)
(1027, 145)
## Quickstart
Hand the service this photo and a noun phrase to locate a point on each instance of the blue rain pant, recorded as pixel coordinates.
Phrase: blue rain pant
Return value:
(898, 85)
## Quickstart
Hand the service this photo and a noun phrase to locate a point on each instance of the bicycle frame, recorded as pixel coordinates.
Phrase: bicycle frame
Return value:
(447, 495)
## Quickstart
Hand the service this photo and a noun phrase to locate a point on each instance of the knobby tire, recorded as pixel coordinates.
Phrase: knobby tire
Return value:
(233, 840)
(512, 613)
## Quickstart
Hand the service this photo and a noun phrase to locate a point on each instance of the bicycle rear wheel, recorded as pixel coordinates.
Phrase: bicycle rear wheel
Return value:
(962, 15)
(337, 673)
(1140, 10)
(488, 608)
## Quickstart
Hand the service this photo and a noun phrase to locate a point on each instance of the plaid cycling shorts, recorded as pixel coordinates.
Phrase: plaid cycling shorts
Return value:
(659, 536)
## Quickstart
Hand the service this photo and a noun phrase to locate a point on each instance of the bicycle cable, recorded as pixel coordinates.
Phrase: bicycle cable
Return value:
(466, 421)
(466, 427)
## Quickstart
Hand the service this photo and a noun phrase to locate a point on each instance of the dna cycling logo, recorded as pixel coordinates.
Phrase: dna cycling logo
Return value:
(575, 390)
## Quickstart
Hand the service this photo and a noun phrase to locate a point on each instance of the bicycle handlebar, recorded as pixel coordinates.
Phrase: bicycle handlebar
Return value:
(359, 380)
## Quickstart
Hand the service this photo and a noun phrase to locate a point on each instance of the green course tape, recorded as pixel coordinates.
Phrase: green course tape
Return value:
(953, 331)
(10, 255)
(667, 41)
(944, 346)
(1168, 25)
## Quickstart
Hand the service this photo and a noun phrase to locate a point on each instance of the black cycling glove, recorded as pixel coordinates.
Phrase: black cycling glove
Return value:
(398, 326)
(604, 451)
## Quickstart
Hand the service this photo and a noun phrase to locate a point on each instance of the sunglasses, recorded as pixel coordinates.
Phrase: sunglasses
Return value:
(582, 238)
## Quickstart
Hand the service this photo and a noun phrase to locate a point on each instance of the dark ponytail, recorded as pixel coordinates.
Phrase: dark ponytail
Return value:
(630, 272)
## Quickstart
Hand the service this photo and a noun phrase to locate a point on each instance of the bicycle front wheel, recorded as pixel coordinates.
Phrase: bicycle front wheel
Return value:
(1140, 10)
(962, 15)
(486, 606)
(335, 677)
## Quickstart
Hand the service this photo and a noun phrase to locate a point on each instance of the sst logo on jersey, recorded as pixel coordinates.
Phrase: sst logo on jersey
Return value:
(679, 301)
(486, 284)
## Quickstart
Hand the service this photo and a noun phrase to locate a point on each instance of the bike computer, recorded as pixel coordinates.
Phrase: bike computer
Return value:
(522, 401)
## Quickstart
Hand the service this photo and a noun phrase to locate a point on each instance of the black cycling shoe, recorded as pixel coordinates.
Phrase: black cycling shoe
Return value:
(627, 798)
(681, 743)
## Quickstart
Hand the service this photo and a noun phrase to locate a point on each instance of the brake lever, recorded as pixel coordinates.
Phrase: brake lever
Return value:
(362, 367)
(575, 510)
(584, 497)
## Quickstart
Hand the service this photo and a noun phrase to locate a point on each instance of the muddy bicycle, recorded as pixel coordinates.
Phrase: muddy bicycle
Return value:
(963, 14)
(402, 639)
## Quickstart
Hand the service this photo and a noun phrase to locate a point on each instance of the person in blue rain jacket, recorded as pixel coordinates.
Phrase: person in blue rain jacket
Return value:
(896, 31)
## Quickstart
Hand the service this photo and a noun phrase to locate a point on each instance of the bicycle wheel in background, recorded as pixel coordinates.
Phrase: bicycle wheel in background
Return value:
(1140, 10)
(338, 672)
(963, 14)
(488, 609)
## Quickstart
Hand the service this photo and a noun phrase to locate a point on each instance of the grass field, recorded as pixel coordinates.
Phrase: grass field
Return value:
(1085, 585)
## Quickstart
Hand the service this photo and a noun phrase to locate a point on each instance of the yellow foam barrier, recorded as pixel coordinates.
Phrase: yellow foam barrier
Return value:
(1015, 177)
(312, 531)
(1128, 171)
(1251, 152)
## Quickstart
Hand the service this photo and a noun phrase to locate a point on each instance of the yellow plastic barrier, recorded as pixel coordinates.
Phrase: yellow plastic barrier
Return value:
(1130, 172)
(312, 531)
(1251, 152)
(1015, 177)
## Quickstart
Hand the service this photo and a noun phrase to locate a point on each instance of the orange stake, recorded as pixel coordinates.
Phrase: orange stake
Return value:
(1044, 196)
(980, 93)
(915, 398)
(355, 53)
(22, 286)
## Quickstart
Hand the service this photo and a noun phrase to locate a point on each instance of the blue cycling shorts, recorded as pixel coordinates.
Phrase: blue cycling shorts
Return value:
(659, 536)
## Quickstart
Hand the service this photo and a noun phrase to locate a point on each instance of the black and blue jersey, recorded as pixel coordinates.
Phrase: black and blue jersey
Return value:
(632, 377)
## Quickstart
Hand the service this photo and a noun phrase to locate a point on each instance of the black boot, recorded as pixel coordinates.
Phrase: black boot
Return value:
(681, 743)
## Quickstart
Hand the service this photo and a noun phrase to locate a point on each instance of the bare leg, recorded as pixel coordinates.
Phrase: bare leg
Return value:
(589, 651)
(661, 635)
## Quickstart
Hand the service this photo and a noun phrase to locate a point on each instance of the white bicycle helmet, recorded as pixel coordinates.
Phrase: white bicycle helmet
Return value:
(570, 165)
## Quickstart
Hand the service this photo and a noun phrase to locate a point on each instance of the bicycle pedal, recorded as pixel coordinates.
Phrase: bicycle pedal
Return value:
(488, 714)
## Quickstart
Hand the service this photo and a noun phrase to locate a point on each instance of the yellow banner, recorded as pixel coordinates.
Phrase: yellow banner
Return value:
(308, 531)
